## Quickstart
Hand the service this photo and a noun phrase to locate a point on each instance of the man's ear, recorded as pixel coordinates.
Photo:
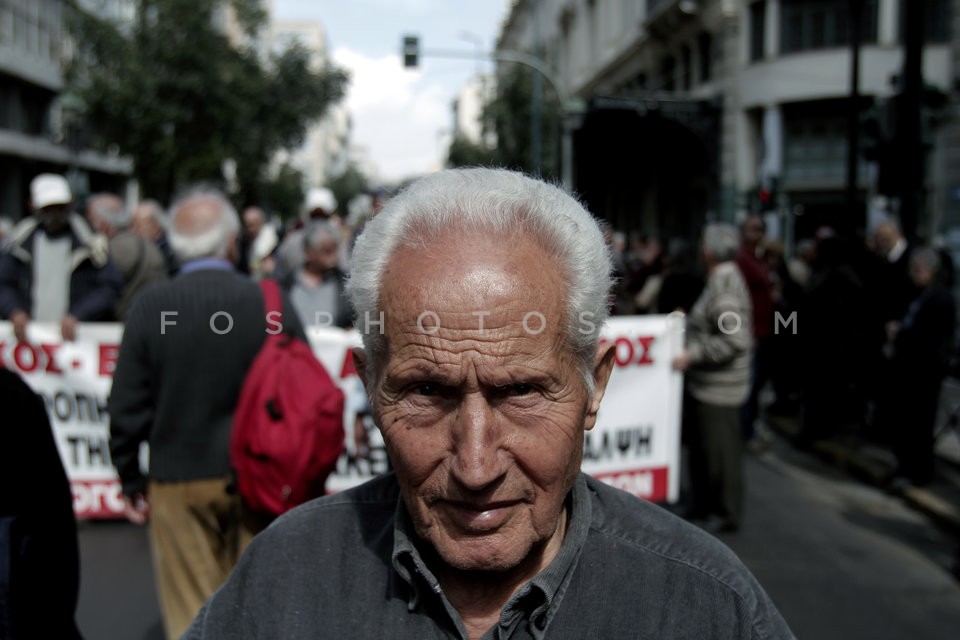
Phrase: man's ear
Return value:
(602, 368)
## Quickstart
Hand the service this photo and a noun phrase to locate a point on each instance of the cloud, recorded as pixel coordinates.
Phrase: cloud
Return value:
(398, 115)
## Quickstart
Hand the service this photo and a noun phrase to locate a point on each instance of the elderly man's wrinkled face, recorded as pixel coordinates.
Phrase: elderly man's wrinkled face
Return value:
(479, 399)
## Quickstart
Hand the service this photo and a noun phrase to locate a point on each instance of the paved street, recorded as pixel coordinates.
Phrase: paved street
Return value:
(842, 560)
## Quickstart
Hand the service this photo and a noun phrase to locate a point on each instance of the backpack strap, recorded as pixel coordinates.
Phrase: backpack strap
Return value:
(271, 298)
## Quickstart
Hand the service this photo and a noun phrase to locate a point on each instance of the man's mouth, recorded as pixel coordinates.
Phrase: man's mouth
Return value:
(480, 517)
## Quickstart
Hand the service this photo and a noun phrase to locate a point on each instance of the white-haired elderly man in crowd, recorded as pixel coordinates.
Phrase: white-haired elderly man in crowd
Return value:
(317, 290)
(321, 206)
(150, 221)
(186, 348)
(716, 359)
(138, 260)
(54, 268)
(480, 294)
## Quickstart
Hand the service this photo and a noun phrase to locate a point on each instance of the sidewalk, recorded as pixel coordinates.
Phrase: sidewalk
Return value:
(940, 499)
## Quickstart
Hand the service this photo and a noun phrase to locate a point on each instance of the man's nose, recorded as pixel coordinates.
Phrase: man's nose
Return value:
(476, 441)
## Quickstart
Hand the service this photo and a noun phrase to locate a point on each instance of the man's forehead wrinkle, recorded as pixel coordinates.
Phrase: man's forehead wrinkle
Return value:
(442, 350)
(464, 302)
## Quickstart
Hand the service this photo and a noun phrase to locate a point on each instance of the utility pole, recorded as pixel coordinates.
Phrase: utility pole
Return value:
(853, 218)
(908, 143)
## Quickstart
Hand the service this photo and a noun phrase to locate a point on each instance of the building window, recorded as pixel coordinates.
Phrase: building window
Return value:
(822, 24)
(814, 149)
(705, 53)
(758, 30)
(936, 21)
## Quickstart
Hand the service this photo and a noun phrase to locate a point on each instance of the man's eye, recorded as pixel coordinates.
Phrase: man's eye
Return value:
(426, 389)
(519, 389)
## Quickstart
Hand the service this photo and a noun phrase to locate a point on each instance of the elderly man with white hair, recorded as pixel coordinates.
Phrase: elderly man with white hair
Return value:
(138, 261)
(186, 348)
(320, 206)
(480, 294)
(150, 221)
(716, 359)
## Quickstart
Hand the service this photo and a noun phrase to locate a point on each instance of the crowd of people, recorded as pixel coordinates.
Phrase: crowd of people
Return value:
(853, 336)
(93, 257)
(177, 380)
(847, 337)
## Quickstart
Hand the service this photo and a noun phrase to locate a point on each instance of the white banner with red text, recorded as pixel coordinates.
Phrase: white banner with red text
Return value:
(634, 446)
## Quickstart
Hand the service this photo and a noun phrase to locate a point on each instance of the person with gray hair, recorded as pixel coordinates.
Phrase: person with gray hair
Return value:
(138, 261)
(317, 290)
(921, 346)
(150, 222)
(320, 205)
(716, 362)
(186, 348)
(480, 296)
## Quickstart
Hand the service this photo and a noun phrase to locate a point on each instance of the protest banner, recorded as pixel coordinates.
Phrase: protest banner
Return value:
(74, 378)
(634, 446)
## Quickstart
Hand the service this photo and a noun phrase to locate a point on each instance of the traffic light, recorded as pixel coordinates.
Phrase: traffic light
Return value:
(411, 51)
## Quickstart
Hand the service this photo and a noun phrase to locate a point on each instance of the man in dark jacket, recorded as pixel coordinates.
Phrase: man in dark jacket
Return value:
(55, 269)
(186, 349)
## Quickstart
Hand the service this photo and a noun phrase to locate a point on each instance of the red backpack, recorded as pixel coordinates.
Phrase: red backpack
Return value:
(288, 427)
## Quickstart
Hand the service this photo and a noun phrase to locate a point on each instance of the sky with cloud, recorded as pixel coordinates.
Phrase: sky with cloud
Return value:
(403, 116)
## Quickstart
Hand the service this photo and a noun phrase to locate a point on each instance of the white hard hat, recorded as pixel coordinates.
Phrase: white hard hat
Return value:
(321, 198)
(49, 189)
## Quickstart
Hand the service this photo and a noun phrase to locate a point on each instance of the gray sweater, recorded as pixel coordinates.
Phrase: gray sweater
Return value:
(720, 339)
(177, 379)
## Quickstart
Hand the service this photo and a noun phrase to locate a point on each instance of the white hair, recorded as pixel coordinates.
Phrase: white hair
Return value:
(316, 231)
(722, 240)
(110, 209)
(207, 243)
(501, 204)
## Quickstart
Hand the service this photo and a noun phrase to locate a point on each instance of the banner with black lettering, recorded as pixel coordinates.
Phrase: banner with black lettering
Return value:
(636, 443)
(74, 378)
(634, 446)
